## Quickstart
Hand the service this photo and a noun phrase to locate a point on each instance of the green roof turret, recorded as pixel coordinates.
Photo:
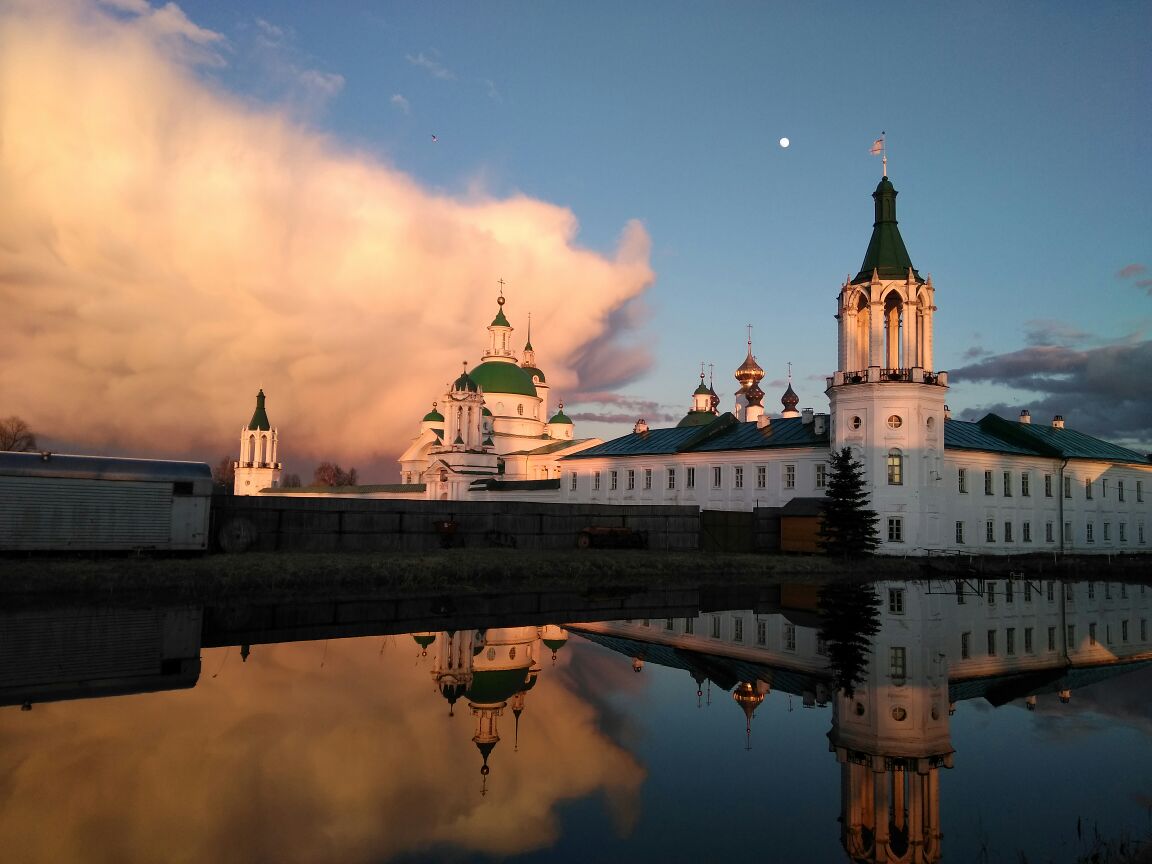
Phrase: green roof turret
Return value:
(560, 416)
(465, 382)
(434, 416)
(887, 257)
(259, 421)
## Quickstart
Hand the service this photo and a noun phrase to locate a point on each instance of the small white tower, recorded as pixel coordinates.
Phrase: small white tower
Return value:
(257, 467)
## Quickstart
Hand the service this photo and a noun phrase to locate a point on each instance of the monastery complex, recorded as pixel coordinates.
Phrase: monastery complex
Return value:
(992, 486)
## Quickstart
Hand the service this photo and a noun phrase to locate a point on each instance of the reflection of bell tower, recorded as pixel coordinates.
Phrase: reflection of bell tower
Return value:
(891, 737)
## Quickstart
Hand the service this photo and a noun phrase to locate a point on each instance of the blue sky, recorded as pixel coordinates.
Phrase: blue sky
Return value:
(1019, 138)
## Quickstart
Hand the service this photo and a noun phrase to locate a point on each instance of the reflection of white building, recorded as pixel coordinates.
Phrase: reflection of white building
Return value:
(993, 486)
(937, 643)
(492, 670)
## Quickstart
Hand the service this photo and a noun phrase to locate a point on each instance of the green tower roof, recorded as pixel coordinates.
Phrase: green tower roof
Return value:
(433, 416)
(259, 419)
(465, 382)
(500, 320)
(886, 254)
(561, 417)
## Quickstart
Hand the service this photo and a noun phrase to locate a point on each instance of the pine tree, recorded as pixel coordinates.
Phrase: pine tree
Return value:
(848, 528)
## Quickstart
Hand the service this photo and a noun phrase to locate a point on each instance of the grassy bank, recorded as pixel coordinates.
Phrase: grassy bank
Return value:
(474, 570)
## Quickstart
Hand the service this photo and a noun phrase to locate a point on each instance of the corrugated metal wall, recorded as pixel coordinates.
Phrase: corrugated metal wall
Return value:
(62, 513)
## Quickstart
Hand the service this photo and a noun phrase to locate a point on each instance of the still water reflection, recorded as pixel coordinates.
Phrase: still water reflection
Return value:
(913, 721)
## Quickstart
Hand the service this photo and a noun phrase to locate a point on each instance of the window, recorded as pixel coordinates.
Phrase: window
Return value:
(671, 478)
(1007, 532)
(1104, 488)
(1088, 488)
(1071, 643)
(821, 475)
(1107, 531)
(989, 531)
(789, 476)
(631, 479)
(737, 629)
(689, 626)
(1051, 638)
(1068, 530)
(1027, 591)
(1025, 484)
(715, 626)
(1026, 532)
(789, 637)
(965, 646)
(959, 532)
(1107, 590)
(987, 482)
(855, 422)
(962, 479)
(762, 476)
(612, 480)
(647, 478)
(1088, 532)
(1067, 487)
(690, 478)
(1047, 485)
(1092, 590)
(1120, 489)
(990, 593)
(573, 481)
(1123, 533)
(1027, 640)
(1051, 593)
(1010, 641)
(895, 529)
(895, 467)
(1139, 532)
(738, 477)
(1009, 591)
(520, 410)
(898, 663)
(1007, 484)
(894, 421)
(596, 482)
(1048, 533)
(896, 601)
(991, 643)
(1140, 491)
(717, 476)
(1124, 630)
(761, 633)
(821, 645)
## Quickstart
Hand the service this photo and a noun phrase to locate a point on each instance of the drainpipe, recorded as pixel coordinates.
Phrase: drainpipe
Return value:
(1060, 493)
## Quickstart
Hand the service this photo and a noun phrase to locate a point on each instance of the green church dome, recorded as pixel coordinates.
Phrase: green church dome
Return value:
(433, 416)
(498, 685)
(561, 417)
(533, 372)
(497, 377)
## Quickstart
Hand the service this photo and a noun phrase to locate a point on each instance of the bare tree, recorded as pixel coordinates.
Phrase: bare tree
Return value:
(290, 481)
(224, 474)
(15, 435)
(329, 474)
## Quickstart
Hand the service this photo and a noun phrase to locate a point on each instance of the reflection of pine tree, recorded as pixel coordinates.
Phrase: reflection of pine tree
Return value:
(849, 526)
(851, 617)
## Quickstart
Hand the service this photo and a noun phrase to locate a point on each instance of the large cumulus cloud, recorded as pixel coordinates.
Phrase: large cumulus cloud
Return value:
(166, 249)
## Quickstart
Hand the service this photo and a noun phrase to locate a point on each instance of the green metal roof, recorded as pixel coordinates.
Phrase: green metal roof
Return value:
(697, 418)
(561, 417)
(499, 377)
(997, 435)
(433, 416)
(500, 320)
(548, 448)
(515, 485)
(886, 254)
(532, 370)
(259, 421)
(465, 382)
(497, 685)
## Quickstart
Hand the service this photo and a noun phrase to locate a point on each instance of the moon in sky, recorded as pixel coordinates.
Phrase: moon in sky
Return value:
(784, 142)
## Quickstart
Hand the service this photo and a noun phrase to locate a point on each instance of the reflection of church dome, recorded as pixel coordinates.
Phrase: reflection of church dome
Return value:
(497, 377)
(499, 685)
(452, 689)
(423, 640)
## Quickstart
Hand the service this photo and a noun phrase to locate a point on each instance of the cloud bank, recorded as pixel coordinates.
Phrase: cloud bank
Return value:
(167, 249)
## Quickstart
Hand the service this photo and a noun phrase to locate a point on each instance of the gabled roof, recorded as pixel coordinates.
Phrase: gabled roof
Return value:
(548, 448)
(723, 433)
(994, 434)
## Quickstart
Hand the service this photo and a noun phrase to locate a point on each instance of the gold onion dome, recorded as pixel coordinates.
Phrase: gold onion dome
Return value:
(749, 371)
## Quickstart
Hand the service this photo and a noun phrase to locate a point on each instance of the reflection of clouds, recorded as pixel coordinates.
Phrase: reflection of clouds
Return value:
(285, 759)
(1125, 700)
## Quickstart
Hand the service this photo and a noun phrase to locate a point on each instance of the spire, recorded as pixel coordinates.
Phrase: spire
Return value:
(887, 256)
(259, 421)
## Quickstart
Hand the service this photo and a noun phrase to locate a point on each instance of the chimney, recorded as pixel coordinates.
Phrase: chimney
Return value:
(641, 426)
(1025, 416)
(764, 421)
(818, 423)
(753, 412)
(1058, 421)
(947, 413)
(806, 416)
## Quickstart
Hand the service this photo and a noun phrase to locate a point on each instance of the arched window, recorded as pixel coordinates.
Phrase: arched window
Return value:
(895, 467)
(263, 449)
(251, 448)
(893, 324)
(520, 410)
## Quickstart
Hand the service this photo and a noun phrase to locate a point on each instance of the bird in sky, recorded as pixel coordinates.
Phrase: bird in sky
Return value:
(434, 139)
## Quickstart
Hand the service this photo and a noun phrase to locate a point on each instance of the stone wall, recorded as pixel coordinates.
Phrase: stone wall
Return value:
(291, 523)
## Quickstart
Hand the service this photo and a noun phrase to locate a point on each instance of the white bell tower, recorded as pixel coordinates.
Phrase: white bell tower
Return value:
(886, 399)
(258, 467)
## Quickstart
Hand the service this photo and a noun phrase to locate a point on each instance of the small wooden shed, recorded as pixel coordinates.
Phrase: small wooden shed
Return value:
(800, 525)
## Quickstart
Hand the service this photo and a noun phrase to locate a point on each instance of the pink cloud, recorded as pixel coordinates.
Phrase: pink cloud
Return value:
(165, 251)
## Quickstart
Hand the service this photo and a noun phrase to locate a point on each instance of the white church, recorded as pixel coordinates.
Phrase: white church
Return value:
(992, 486)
